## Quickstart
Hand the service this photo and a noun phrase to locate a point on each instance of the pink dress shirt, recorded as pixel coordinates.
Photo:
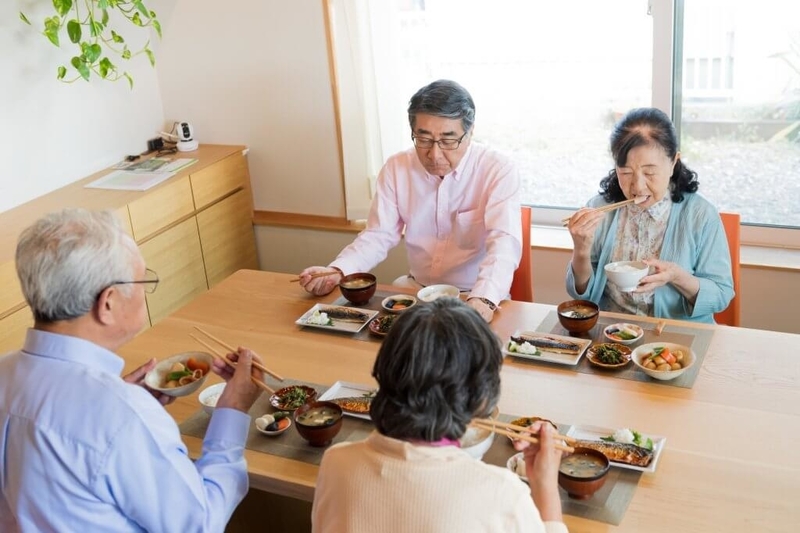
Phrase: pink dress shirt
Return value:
(464, 229)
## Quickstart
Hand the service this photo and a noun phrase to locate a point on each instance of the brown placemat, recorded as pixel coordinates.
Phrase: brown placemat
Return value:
(289, 444)
(606, 505)
(696, 338)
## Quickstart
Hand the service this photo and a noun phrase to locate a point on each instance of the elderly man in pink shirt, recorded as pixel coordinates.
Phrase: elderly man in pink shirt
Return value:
(458, 201)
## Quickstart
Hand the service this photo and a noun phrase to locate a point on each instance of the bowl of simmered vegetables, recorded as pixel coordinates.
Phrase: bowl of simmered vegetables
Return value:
(398, 303)
(663, 360)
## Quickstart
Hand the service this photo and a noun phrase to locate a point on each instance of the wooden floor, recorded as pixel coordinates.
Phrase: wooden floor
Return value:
(263, 511)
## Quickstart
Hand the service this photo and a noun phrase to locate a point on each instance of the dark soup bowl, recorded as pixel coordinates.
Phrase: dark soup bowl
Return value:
(583, 472)
(318, 422)
(578, 316)
(358, 288)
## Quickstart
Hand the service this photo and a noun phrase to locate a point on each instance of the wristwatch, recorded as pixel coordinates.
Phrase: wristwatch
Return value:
(488, 302)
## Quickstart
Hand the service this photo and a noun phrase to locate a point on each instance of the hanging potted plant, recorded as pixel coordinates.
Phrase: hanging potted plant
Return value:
(86, 25)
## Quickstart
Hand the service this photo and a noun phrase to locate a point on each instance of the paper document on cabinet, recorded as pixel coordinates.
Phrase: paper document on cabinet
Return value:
(130, 181)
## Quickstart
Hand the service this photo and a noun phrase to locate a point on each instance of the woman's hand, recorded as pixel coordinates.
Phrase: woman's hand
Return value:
(322, 285)
(664, 272)
(541, 466)
(137, 378)
(582, 226)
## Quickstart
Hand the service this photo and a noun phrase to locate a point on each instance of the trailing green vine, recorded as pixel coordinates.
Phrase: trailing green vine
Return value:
(87, 26)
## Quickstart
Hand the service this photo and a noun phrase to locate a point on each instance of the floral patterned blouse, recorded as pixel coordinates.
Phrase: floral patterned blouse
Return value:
(640, 235)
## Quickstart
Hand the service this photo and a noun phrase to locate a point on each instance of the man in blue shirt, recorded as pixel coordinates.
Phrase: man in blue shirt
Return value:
(82, 449)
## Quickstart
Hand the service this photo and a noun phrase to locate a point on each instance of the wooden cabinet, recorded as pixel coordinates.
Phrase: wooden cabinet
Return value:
(194, 230)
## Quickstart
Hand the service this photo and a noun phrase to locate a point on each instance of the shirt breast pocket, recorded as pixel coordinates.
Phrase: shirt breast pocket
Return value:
(469, 229)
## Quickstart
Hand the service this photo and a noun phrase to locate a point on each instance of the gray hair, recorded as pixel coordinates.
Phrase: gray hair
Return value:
(67, 258)
(443, 98)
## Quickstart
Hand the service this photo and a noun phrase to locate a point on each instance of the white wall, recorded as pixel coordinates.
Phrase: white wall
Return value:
(53, 133)
(257, 74)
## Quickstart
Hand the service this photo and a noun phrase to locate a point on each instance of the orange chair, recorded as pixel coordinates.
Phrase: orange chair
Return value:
(522, 284)
(731, 316)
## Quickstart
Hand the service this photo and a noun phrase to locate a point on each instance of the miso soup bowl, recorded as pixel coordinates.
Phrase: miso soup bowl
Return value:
(318, 435)
(358, 288)
(578, 316)
(583, 487)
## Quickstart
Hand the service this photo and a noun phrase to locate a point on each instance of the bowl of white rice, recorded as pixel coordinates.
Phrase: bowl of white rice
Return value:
(626, 274)
(208, 397)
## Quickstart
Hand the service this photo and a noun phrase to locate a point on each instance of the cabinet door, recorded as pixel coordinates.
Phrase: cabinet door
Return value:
(219, 179)
(160, 208)
(176, 257)
(227, 237)
(13, 329)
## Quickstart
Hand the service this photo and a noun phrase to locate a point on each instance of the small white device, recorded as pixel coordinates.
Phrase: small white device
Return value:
(185, 134)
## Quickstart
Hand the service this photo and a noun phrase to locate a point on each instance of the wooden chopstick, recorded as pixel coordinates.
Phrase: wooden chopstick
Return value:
(604, 209)
(506, 425)
(222, 357)
(514, 435)
(232, 349)
(317, 275)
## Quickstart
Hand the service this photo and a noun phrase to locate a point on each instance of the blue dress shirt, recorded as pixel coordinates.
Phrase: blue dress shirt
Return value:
(82, 450)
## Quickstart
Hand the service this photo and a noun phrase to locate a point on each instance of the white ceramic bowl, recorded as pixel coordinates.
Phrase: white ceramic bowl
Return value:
(609, 332)
(516, 463)
(394, 299)
(476, 441)
(156, 377)
(432, 292)
(644, 350)
(208, 397)
(626, 274)
(272, 433)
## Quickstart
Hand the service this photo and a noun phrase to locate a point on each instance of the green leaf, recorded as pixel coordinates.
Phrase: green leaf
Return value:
(102, 4)
(105, 66)
(130, 80)
(157, 26)
(51, 27)
(79, 65)
(150, 56)
(143, 10)
(74, 30)
(62, 6)
(92, 53)
(105, 17)
(24, 19)
(116, 37)
(62, 71)
(136, 19)
(97, 28)
(126, 54)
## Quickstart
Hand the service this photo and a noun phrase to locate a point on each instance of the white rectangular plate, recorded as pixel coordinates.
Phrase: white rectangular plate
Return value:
(338, 325)
(594, 433)
(550, 357)
(344, 389)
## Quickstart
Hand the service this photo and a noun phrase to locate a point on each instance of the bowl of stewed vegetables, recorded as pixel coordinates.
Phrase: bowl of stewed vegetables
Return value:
(663, 360)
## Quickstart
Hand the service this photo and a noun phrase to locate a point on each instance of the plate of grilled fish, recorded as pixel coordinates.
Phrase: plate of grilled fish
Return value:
(547, 347)
(336, 318)
(354, 399)
(621, 454)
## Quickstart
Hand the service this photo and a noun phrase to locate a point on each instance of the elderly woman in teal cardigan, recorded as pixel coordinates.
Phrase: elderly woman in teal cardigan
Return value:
(671, 228)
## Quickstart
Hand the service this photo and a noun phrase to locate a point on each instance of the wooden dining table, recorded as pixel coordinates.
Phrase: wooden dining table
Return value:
(731, 460)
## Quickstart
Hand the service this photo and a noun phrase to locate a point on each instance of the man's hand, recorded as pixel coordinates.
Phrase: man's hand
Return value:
(137, 378)
(322, 285)
(483, 308)
(240, 392)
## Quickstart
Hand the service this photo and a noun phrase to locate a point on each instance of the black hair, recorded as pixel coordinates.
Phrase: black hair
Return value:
(646, 126)
(443, 98)
(438, 368)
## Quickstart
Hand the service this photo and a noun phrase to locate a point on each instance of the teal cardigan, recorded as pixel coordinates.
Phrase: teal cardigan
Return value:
(694, 239)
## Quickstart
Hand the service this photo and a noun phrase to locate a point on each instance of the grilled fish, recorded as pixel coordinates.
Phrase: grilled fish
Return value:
(345, 314)
(549, 344)
(619, 452)
(354, 404)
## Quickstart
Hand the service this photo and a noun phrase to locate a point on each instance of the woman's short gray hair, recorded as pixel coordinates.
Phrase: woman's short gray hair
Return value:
(443, 98)
(67, 258)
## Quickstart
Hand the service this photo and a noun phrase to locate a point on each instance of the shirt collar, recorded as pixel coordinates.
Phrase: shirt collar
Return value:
(72, 349)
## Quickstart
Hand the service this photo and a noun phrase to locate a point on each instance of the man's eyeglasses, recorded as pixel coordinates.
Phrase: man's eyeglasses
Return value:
(444, 144)
(150, 282)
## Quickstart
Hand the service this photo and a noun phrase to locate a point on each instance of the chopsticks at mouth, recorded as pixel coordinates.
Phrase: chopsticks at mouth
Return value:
(317, 275)
(519, 432)
(610, 207)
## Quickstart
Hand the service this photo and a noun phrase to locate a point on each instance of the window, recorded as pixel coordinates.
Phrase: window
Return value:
(549, 80)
